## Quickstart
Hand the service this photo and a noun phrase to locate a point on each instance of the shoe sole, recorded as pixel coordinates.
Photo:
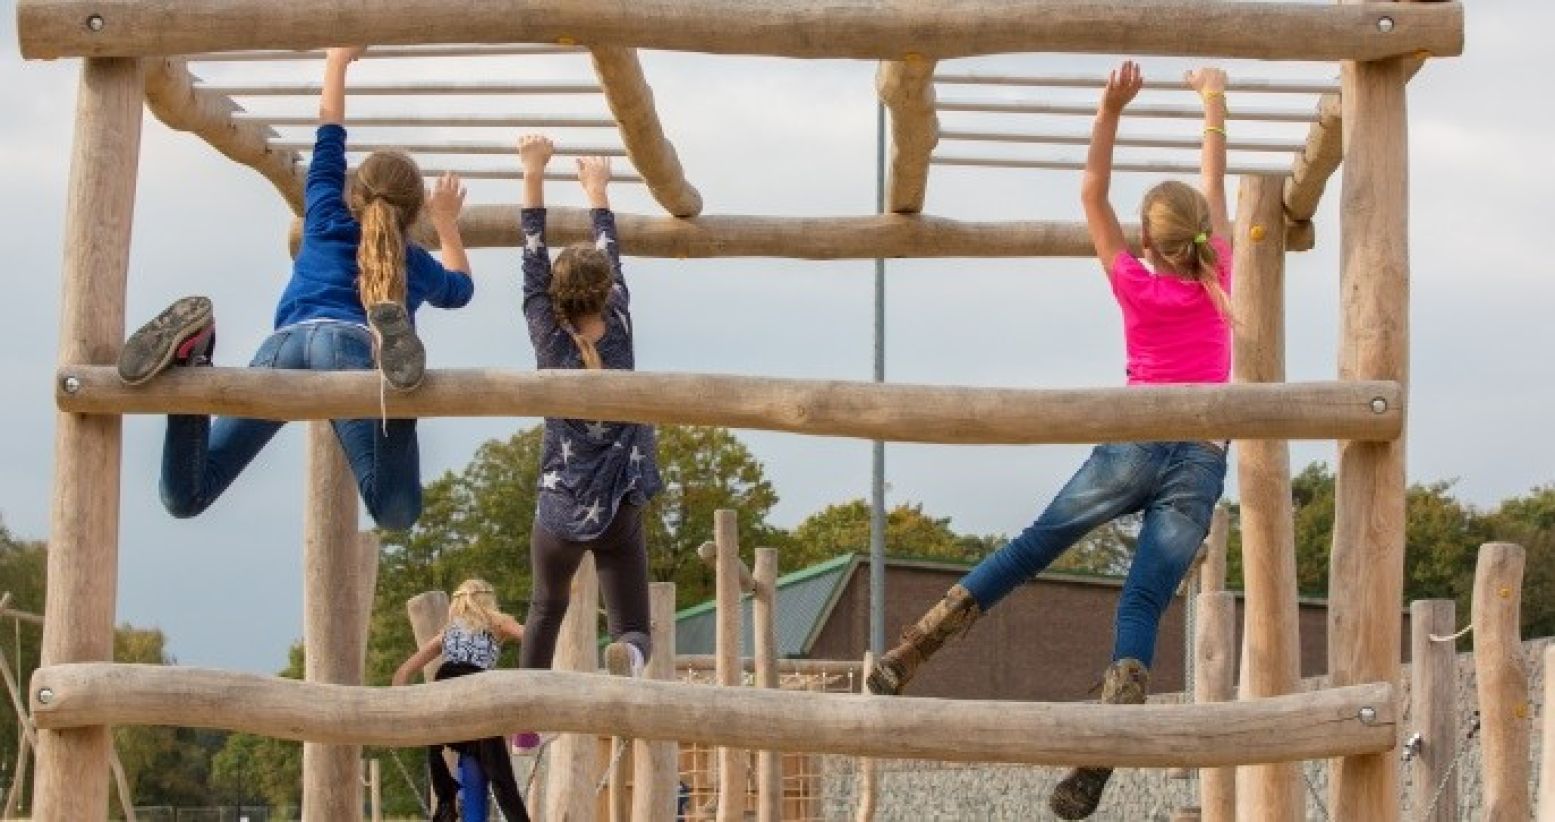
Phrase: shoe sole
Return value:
(150, 350)
(1079, 794)
(881, 683)
(401, 356)
(618, 660)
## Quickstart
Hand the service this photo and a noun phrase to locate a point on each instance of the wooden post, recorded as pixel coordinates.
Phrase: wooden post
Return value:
(1214, 651)
(1547, 760)
(570, 776)
(906, 87)
(1433, 709)
(1503, 682)
(654, 767)
(1366, 572)
(1212, 571)
(428, 614)
(631, 101)
(83, 556)
(732, 767)
(1273, 649)
(868, 772)
(334, 631)
(375, 789)
(769, 764)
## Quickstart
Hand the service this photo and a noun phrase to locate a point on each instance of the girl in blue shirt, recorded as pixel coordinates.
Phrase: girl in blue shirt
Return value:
(349, 305)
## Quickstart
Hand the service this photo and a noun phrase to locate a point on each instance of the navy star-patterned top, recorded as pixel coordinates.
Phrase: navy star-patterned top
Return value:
(587, 467)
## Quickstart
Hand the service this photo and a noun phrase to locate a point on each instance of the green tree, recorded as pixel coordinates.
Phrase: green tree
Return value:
(249, 768)
(844, 528)
(22, 564)
(164, 765)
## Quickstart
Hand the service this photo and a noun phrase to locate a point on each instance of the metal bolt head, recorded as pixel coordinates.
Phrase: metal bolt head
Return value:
(1257, 233)
(95, 22)
(1384, 24)
(1367, 715)
(1379, 405)
(71, 385)
(45, 696)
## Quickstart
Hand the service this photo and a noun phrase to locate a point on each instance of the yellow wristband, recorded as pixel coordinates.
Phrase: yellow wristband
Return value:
(1205, 95)
(1216, 129)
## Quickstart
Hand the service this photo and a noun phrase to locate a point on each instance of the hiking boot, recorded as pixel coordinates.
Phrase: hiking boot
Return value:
(183, 334)
(1078, 794)
(401, 357)
(624, 659)
(953, 614)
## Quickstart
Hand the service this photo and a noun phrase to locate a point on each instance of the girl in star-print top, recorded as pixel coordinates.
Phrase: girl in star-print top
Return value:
(1176, 330)
(595, 476)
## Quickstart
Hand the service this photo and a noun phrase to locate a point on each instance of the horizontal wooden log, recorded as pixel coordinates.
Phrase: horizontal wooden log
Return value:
(1097, 81)
(474, 147)
(1149, 166)
(173, 96)
(880, 411)
(402, 89)
(1301, 726)
(860, 29)
(809, 667)
(436, 120)
(391, 52)
(1160, 110)
(1190, 142)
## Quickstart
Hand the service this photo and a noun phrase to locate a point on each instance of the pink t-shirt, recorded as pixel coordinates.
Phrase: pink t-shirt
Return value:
(1170, 326)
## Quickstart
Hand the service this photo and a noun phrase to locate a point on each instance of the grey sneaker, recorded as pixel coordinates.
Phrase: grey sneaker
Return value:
(623, 659)
(401, 356)
(183, 334)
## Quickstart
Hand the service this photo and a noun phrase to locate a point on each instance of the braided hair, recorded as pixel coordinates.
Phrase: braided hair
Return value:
(581, 279)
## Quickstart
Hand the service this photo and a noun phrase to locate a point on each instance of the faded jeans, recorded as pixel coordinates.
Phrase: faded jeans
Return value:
(1175, 484)
(201, 457)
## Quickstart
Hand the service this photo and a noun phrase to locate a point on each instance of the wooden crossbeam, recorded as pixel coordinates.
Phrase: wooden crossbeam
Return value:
(907, 90)
(1313, 725)
(890, 412)
(492, 147)
(1097, 81)
(402, 89)
(436, 120)
(631, 102)
(173, 97)
(1152, 166)
(1184, 112)
(1191, 142)
(860, 29)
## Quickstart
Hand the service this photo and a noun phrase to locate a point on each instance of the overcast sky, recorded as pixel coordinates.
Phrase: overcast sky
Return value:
(764, 136)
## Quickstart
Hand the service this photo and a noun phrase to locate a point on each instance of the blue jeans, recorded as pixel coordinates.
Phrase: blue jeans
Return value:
(1175, 484)
(200, 458)
(472, 789)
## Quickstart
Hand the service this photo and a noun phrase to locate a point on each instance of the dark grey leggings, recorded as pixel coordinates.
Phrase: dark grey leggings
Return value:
(620, 556)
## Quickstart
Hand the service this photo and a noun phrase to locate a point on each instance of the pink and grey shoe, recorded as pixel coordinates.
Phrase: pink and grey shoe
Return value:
(183, 334)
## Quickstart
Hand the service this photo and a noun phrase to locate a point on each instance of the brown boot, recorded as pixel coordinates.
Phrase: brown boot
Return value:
(1076, 797)
(951, 615)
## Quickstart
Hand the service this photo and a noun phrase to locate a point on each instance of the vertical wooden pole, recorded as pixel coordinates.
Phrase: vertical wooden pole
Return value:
(1503, 682)
(122, 785)
(570, 776)
(1366, 571)
(769, 764)
(731, 761)
(1212, 571)
(1433, 709)
(1547, 759)
(655, 775)
(1272, 666)
(83, 557)
(428, 613)
(868, 772)
(333, 629)
(1214, 645)
(375, 789)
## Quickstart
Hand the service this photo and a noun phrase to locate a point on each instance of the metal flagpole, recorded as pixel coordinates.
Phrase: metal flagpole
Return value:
(877, 518)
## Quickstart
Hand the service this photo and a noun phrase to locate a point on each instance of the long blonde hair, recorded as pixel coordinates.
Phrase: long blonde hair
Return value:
(386, 197)
(475, 605)
(581, 279)
(1177, 224)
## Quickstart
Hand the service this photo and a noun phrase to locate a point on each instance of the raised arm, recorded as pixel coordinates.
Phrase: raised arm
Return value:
(332, 102)
(418, 660)
(511, 628)
(1210, 83)
(1106, 234)
(443, 206)
(594, 176)
(324, 201)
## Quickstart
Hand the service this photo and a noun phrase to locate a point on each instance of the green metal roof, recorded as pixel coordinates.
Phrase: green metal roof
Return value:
(804, 597)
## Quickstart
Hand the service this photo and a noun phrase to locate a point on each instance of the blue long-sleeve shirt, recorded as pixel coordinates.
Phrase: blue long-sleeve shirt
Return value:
(323, 282)
(586, 467)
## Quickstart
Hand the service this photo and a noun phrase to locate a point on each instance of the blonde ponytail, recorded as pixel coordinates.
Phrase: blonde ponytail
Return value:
(380, 256)
(1177, 224)
(474, 604)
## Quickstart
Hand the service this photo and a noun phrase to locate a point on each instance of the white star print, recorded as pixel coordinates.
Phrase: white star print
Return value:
(549, 480)
(566, 451)
(594, 510)
(533, 243)
(597, 430)
(637, 456)
(603, 242)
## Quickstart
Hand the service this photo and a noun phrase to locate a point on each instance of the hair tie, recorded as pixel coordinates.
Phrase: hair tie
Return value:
(1201, 238)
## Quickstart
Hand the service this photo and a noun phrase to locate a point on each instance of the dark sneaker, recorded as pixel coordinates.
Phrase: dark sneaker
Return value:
(401, 357)
(182, 333)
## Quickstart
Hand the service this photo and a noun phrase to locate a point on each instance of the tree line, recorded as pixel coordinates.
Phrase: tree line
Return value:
(477, 522)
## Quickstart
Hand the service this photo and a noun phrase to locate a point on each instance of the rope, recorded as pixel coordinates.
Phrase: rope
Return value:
(1452, 766)
(1316, 799)
(622, 743)
(1454, 637)
(383, 402)
(415, 790)
(534, 767)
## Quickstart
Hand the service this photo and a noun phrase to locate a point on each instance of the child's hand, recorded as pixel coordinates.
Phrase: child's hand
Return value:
(344, 54)
(594, 176)
(1207, 80)
(534, 151)
(1123, 84)
(446, 200)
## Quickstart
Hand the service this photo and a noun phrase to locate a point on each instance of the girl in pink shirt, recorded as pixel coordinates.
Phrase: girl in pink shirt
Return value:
(1177, 329)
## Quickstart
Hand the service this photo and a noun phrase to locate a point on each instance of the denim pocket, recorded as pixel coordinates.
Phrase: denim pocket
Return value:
(270, 350)
(351, 349)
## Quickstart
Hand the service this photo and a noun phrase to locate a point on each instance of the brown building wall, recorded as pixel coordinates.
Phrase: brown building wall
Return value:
(1049, 641)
